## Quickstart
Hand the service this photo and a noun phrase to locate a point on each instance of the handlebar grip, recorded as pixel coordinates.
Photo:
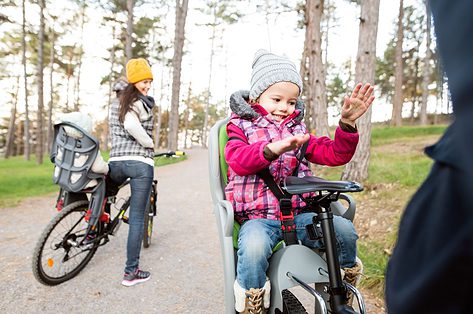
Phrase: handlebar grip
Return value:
(170, 154)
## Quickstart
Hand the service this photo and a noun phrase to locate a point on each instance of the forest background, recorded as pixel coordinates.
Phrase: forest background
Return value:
(62, 56)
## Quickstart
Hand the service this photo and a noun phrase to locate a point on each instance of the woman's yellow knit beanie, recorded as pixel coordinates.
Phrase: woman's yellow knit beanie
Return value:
(138, 70)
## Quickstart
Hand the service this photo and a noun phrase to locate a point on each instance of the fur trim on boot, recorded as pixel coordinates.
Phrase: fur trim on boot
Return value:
(240, 297)
(267, 294)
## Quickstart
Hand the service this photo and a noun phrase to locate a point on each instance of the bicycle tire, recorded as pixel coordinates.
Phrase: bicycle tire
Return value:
(148, 226)
(68, 225)
(291, 305)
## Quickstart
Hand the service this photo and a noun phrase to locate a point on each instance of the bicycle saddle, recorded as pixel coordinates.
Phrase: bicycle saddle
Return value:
(296, 185)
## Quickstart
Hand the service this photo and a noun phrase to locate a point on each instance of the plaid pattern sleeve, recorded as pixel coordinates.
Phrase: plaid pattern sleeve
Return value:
(123, 144)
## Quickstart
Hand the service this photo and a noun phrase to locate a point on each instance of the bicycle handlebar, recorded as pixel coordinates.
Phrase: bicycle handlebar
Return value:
(170, 153)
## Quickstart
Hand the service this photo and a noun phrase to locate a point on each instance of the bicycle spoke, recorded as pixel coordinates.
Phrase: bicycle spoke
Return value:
(60, 257)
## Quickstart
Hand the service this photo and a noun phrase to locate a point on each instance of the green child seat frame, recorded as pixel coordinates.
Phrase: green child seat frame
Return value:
(228, 231)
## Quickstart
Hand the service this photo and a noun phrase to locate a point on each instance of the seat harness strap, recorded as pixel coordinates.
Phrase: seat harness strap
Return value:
(286, 215)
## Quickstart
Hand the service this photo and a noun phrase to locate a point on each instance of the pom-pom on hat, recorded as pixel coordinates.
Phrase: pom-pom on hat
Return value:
(268, 69)
(138, 70)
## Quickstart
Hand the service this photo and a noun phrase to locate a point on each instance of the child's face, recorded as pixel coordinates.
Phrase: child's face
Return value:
(143, 86)
(280, 100)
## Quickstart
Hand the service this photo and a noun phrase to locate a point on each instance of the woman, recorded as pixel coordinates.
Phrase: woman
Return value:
(131, 156)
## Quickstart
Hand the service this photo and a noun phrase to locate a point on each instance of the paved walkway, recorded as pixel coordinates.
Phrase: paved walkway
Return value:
(184, 258)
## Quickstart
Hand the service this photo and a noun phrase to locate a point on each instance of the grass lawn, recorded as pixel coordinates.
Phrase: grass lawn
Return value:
(397, 167)
(20, 178)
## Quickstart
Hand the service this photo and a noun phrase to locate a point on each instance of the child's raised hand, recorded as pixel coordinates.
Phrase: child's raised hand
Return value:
(289, 143)
(357, 104)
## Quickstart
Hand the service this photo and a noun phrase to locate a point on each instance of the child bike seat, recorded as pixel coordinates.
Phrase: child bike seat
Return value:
(73, 153)
(227, 227)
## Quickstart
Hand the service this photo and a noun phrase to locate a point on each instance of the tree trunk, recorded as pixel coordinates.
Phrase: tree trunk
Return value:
(79, 62)
(426, 70)
(39, 126)
(327, 28)
(179, 36)
(415, 99)
(357, 169)
(439, 90)
(317, 90)
(19, 149)
(25, 77)
(396, 118)
(129, 30)
(304, 72)
(49, 134)
(186, 115)
(69, 74)
(207, 104)
(12, 123)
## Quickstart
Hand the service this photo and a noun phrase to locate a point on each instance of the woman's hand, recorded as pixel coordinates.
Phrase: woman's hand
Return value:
(357, 104)
(287, 144)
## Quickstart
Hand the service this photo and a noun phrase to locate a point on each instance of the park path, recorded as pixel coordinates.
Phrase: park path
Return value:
(184, 258)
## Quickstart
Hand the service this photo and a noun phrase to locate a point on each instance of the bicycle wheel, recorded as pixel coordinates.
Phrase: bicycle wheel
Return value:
(148, 225)
(291, 305)
(57, 257)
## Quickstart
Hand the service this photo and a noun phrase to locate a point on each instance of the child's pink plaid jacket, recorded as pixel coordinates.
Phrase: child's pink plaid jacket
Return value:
(249, 131)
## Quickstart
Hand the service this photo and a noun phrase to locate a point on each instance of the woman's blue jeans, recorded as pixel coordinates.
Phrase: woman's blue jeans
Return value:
(257, 238)
(141, 175)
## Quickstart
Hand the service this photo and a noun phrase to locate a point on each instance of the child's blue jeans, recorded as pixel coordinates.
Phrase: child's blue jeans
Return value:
(257, 237)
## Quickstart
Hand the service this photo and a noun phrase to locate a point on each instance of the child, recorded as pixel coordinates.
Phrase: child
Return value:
(266, 130)
(84, 121)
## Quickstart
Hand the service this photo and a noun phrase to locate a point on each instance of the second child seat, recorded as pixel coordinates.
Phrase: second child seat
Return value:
(292, 265)
(73, 154)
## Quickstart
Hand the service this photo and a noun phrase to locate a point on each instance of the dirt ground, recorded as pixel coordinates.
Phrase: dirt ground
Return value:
(184, 259)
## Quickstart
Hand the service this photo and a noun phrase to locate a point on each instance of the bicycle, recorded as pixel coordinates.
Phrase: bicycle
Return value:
(62, 250)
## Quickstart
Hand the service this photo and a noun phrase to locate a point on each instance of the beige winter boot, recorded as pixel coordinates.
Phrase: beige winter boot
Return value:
(352, 276)
(253, 301)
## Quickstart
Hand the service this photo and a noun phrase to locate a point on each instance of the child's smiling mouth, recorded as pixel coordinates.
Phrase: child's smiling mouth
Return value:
(278, 117)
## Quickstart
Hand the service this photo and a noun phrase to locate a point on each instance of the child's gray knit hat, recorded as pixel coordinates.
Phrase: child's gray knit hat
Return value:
(268, 69)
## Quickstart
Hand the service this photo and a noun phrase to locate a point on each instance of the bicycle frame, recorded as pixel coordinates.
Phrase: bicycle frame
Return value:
(99, 200)
(96, 206)
(337, 290)
(300, 265)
